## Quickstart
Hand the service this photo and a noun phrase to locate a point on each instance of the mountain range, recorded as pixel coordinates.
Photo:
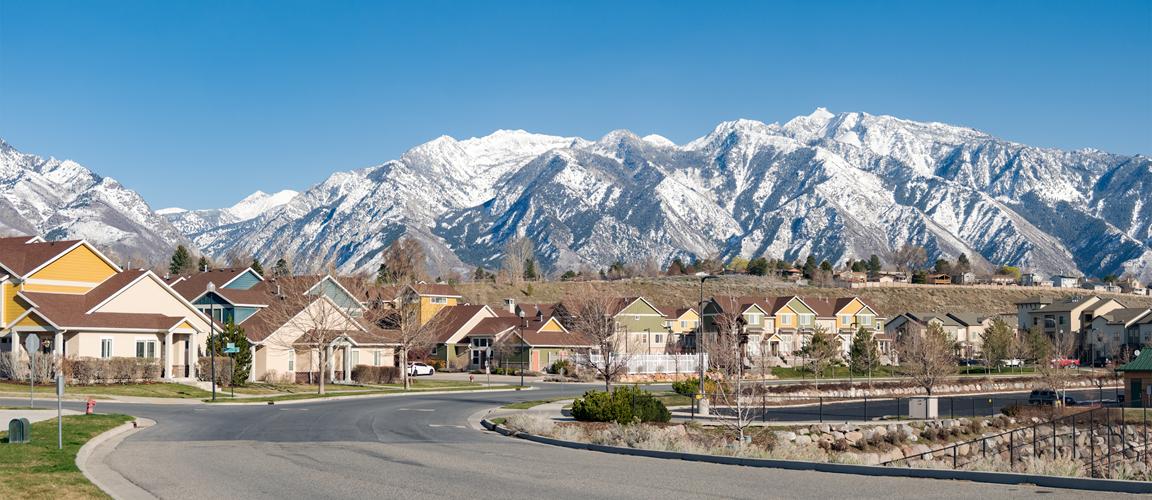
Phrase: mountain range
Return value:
(837, 186)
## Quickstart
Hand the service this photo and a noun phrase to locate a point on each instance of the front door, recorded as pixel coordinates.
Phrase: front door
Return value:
(1136, 392)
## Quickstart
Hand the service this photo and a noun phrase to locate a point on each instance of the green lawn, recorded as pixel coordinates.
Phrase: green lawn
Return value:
(673, 399)
(39, 470)
(157, 390)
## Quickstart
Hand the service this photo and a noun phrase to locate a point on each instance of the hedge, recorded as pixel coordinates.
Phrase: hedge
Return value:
(625, 405)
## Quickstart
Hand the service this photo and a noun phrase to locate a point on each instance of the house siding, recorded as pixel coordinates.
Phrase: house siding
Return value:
(79, 264)
(245, 281)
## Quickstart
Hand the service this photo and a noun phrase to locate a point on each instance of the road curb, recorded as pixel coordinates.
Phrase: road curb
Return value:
(91, 460)
(1076, 483)
(362, 396)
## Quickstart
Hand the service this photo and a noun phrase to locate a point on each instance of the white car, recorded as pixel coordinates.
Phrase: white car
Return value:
(417, 369)
(1012, 362)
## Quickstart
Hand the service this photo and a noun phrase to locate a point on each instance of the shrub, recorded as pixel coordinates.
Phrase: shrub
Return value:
(223, 370)
(530, 423)
(689, 387)
(121, 370)
(366, 374)
(624, 405)
(562, 364)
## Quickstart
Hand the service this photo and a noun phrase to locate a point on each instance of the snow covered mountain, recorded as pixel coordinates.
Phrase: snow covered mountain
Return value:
(838, 186)
(64, 200)
(252, 206)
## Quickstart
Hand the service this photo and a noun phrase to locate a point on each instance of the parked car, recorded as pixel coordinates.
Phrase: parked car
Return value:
(972, 362)
(1049, 397)
(417, 369)
(1066, 363)
(1014, 362)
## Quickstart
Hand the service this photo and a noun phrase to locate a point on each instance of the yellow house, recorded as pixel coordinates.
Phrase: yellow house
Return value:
(432, 298)
(82, 305)
(680, 323)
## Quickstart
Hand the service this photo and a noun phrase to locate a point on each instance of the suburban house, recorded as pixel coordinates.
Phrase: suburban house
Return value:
(749, 312)
(970, 340)
(432, 297)
(534, 343)
(917, 322)
(1115, 332)
(641, 325)
(286, 320)
(1062, 281)
(1034, 279)
(938, 279)
(681, 323)
(964, 278)
(453, 348)
(1025, 308)
(82, 305)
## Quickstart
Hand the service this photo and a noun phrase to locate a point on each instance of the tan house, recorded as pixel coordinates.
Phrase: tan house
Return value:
(1114, 333)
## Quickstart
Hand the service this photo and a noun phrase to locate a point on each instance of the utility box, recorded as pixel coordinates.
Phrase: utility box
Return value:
(19, 431)
(923, 408)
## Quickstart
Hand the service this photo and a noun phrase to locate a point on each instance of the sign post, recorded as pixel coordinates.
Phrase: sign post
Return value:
(230, 349)
(60, 411)
(32, 344)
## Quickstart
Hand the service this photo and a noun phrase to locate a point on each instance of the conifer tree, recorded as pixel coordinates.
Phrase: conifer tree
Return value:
(181, 261)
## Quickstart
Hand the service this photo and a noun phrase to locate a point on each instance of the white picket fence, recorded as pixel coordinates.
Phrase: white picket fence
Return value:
(649, 363)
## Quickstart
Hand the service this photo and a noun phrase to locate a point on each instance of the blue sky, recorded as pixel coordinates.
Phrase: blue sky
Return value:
(198, 103)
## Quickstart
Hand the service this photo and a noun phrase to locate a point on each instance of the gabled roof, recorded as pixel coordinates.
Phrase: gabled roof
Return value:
(824, 308)
(195, 285)
(1096, 305)
(967, 318)
(449, 320)
(1067, 305)
(622, 303)
(924, 317)
(1124, 316)
(1142, 363)
(434, 289)
(1034, 300)
(22, 256)
(740, 305)
(78, 310)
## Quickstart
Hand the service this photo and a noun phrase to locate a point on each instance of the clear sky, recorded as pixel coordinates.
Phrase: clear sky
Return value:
(199, 103)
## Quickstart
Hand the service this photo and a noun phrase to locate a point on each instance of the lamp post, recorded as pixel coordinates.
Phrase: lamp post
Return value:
(700, 329)
(212, 335)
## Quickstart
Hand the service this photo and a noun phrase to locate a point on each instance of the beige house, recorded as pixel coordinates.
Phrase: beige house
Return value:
(1112, 333)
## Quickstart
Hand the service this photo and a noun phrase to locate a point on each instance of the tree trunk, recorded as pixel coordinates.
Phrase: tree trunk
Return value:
(323, 368)
(404, 369)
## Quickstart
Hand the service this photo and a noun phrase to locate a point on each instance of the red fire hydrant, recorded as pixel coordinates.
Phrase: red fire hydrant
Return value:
(471, 378)
(90, 407)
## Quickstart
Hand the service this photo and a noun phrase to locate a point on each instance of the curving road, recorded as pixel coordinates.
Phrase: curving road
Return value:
(421, 446)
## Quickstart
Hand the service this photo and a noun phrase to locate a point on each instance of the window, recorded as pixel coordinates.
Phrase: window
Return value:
(845, 319)
(865, 320)
(806, 320)
(683, 323)
(1061, 320)
(786, 319)
(105, 348)
(376, 358)
(659, 339)
(754, 319)
(145, 348)
(292, 362)
(439, 300)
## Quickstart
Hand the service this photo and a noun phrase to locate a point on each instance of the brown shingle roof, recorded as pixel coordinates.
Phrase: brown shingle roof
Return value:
(194, 285)
(71, 310)
(824, 308)
(450, 319)
(21, 257)
(438, 289)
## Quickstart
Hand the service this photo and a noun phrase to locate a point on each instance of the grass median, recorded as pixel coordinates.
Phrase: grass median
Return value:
(155, 390)
(424, 386)
(40, 470)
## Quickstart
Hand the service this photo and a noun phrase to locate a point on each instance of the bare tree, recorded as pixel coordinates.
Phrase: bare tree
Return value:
(927, 356)
(821, 351)
(910, 257)
(517, 253)
(1051, 352)
(402, 262)
(305, 320)
(401, 324)
(592, 315)
(728, 355)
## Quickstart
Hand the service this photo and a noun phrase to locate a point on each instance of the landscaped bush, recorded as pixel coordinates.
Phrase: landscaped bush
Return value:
(561, 364)
(366, 374)
(223, 370)
(627, 404)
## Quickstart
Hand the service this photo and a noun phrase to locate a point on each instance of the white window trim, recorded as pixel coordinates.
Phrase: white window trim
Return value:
(111, 347)
(146, 340)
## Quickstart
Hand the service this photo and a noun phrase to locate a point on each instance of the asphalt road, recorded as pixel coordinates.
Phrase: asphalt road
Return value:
(420, 446)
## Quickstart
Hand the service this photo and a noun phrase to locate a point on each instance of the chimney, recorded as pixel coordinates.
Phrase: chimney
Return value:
(510, 303)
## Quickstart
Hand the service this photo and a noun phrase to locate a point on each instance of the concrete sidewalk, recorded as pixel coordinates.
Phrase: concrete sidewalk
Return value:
(33, 415)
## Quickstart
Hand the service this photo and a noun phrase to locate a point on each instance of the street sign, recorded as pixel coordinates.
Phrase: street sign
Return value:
(231, 349)
(230, 345)
(32, 343)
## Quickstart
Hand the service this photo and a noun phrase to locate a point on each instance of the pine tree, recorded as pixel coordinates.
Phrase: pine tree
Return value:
(863, 354)
(281, 268)
(203, 264)
(810, 267)
(962, 264)
(568, 275)
(529, 269)
(235, 335)
(257, 267)
(758, 266)
(820, 351)
(825, 265)
(859, 266)
(874, 265)
(479, 274)
(181, 261)
(943, 266)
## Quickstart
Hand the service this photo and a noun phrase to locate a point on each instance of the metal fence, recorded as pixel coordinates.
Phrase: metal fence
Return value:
(649, 363)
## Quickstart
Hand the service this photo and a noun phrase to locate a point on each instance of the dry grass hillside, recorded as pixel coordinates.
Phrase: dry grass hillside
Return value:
(679, 292)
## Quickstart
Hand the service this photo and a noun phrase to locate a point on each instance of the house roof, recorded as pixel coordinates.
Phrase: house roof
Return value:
(824, 308)
(967, 318)
(1142, 363)
(739, 304)
(1096, 305)
(194, 285)
(435, 289)
(1035, 300)
(72, 310)
(622, 303)
(21, 257)
(924, 318)
(1124, 316)
(1067, 305)
(449, 321)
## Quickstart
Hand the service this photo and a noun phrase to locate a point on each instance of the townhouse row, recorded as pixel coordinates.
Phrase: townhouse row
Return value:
(1104, 328)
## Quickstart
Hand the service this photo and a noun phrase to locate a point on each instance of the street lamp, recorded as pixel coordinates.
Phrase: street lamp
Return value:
(211, 335)
(700, 328)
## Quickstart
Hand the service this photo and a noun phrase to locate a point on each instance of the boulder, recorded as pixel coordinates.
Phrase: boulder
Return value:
(854, 436)
(803, 440)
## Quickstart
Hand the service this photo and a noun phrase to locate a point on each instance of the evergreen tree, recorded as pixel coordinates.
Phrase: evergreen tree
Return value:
(820, 351)
(874, 266)
(479, 274)
(810, 267)
(568, 275)
(943, 266)
(257, 267)
(863, 353)
(530, 269)
(235, 335)
(997, 341)
(181, 261)
(962, 264)
(203, 264)
(859, 266)
(281, 268)
(825, 265)
(758, 266)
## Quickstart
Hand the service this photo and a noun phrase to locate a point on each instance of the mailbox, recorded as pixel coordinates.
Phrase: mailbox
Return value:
(19, 431)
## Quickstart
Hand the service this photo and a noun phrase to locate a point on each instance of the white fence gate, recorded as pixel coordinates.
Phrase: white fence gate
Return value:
(649, 363)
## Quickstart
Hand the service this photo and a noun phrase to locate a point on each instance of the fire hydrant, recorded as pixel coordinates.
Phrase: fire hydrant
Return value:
(90, 407)
(471, 378)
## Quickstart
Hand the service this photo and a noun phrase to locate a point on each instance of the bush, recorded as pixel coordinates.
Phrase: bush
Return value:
(624, 405)
(223, 370)
(366, 374)
(689, 387)
(562, 364)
